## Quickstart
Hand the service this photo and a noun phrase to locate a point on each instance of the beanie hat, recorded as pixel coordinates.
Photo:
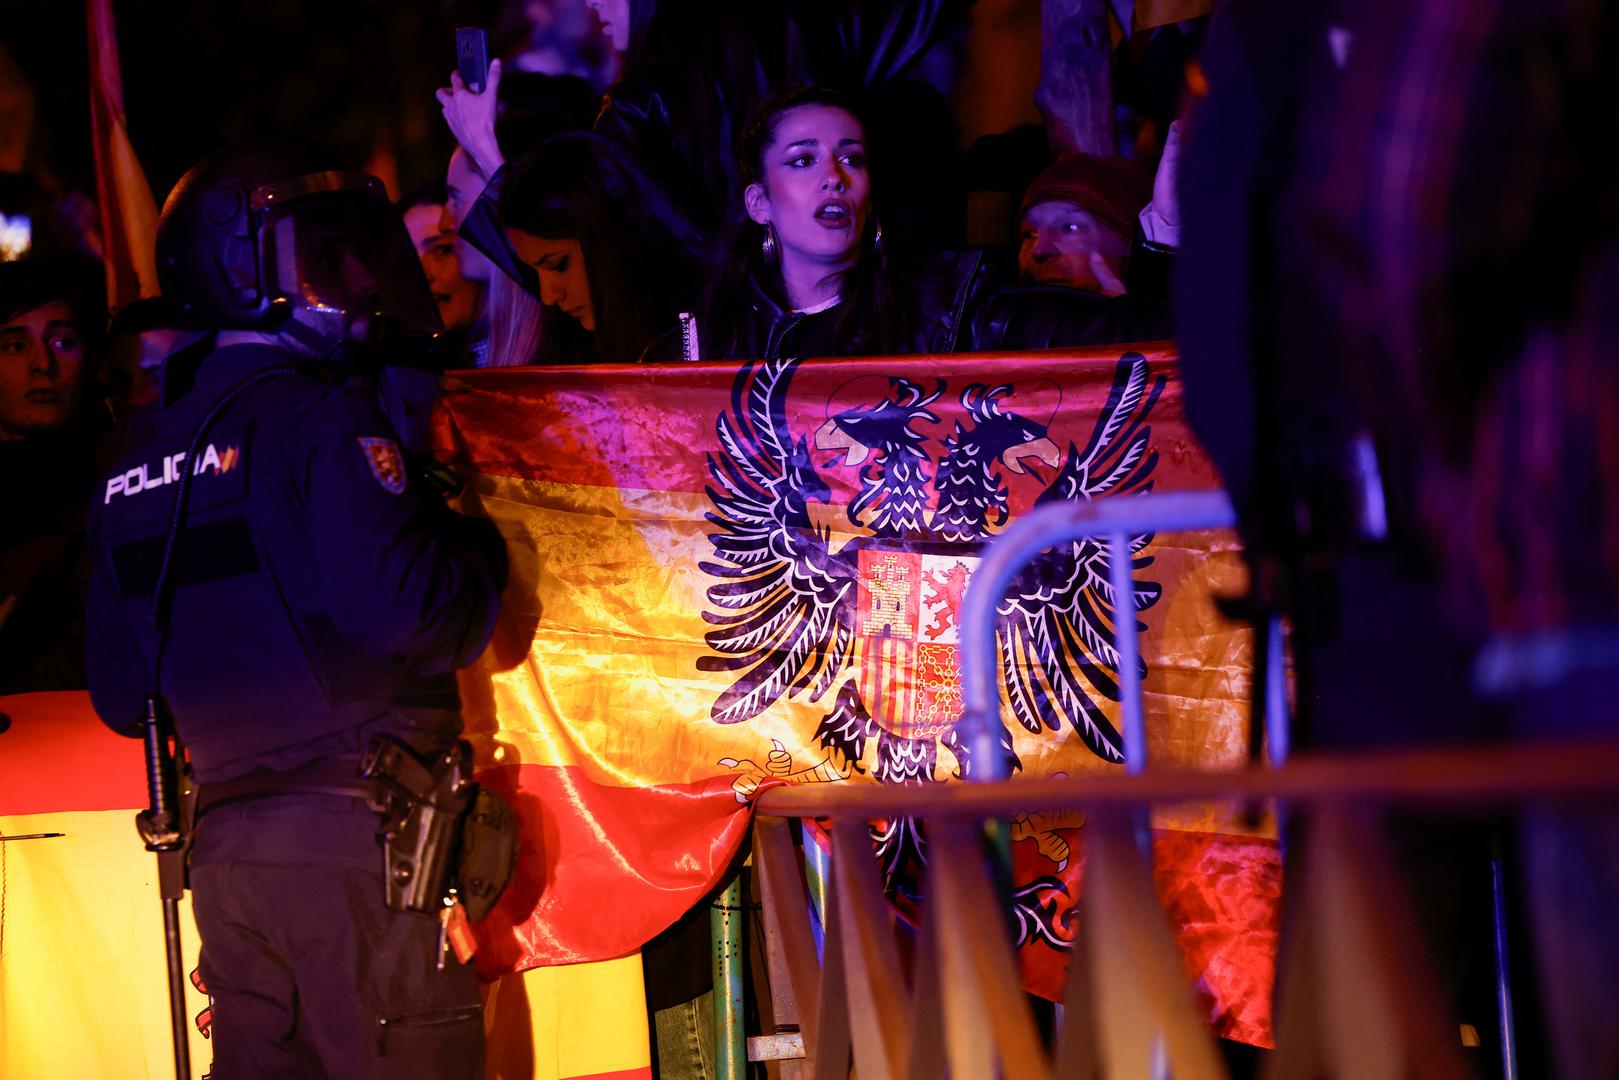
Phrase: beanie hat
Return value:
(1113, 190)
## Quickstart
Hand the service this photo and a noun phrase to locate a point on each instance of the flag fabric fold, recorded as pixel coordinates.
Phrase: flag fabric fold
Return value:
(128, 211)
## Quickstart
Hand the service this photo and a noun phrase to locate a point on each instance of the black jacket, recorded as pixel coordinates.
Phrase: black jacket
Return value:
(964, 301)
(320, 596)
(43, 567)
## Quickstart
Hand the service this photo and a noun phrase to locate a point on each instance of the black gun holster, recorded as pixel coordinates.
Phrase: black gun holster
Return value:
(444, 837)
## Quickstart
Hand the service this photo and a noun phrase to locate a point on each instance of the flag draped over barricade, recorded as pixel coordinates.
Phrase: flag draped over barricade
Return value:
(726, 575)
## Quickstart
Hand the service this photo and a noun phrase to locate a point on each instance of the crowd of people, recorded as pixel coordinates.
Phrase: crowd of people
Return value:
(726, 200)
(668, 223)
(595, 225)
(563, 232)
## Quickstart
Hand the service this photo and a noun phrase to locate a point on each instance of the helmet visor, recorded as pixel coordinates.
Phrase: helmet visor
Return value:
(346, 254)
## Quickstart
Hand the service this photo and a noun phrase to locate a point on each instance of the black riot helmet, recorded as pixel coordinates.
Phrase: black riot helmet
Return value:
(271, 236)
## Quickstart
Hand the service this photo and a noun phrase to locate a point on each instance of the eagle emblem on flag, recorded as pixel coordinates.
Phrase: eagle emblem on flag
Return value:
(869, 627)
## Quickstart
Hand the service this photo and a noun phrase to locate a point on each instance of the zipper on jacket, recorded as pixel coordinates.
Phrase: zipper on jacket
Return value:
(690, 349)
(778, 334)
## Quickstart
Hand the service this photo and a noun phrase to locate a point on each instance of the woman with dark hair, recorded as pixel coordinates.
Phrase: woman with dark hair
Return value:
(530, 108)
(806, 272)
(607, 247)
(808, 253)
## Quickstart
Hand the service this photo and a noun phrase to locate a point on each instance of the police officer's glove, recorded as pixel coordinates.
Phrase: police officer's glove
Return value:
(433, 475)
(159, 831)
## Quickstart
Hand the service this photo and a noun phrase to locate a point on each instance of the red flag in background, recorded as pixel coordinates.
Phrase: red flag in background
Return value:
(128, 211)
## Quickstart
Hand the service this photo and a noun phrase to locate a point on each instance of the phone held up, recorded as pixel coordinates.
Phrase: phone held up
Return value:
(472, 57)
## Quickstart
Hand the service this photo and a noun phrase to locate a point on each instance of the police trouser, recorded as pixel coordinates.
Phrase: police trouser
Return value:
(309, 972)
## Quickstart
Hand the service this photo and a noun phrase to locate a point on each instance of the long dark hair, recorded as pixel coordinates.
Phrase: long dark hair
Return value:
(641, 255)
(870, 320)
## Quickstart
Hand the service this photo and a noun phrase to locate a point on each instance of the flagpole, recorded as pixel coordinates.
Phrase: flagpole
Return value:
(123, 195)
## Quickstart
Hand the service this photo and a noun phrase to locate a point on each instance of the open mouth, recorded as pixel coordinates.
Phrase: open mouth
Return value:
(834, 214)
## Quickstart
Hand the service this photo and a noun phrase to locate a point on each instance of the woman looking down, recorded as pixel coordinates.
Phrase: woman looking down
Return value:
(610, 251)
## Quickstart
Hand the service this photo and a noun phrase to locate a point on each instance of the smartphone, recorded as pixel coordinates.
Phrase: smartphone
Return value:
(472, 57)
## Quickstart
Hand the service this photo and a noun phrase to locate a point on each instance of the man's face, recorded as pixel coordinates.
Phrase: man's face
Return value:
(41, 366)
(1062, 243)
(456, 297)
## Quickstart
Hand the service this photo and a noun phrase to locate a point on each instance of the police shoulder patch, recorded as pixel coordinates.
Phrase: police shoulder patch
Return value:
(387, 464)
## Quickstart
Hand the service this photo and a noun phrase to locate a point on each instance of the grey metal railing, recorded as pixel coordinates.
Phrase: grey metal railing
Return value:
(1115, 521)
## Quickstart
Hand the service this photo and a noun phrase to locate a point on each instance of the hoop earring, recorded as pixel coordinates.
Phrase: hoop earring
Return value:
(767, 246)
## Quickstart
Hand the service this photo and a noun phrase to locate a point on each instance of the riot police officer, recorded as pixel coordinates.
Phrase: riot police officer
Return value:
(310, 598)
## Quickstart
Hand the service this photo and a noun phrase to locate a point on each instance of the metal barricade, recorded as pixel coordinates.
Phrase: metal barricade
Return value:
(1116, 520)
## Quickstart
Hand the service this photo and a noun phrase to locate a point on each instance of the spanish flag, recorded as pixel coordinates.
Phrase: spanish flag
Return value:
(83, 982)
(730, 575)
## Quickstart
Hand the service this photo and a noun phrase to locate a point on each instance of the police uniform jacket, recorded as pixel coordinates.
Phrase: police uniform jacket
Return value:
(320, 597)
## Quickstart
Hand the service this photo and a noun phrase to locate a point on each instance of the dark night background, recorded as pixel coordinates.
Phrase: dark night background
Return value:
(355, 74)
(359, 75)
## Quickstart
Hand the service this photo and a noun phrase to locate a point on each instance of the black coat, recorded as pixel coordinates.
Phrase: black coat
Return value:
(42, 559)
(963, 301)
